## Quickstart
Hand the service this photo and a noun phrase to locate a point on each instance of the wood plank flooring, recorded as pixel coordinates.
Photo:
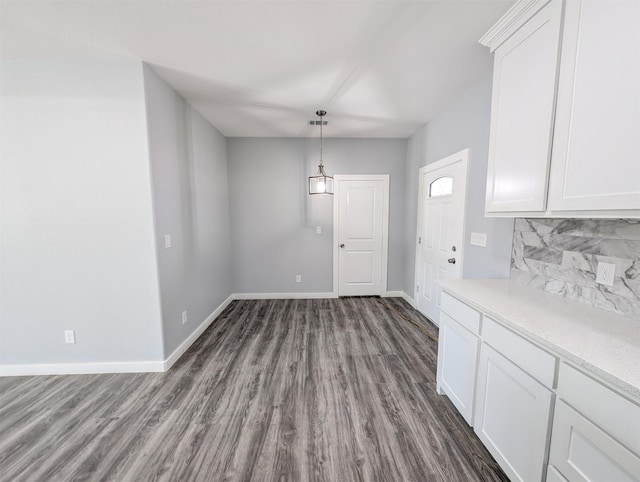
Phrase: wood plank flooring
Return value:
(333, 389)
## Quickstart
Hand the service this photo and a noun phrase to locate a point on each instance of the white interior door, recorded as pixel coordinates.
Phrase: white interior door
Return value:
(441, 209)
(361, 234)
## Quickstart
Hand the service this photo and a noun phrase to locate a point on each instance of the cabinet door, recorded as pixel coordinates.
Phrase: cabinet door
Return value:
(524, 88)
(583, 452)
(554, 476)
(457, 363)
(596, 152)
(512, 416)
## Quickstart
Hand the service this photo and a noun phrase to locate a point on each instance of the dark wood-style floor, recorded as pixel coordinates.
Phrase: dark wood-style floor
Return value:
(336, 390)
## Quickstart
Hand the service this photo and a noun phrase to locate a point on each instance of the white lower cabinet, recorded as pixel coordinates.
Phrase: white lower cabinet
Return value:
(513, 413)
(539, 416)
(457, 362)
(583, 452)
(596, 432)
(554, 476)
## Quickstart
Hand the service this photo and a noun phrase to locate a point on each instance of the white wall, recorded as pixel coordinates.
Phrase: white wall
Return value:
(77, 245)
(463, 124)
(274, 218)
(191, 204)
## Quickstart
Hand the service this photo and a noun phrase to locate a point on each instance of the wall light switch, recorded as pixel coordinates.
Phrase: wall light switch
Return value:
(184, 317)
(479, 239)
(69, 336)
(605, 273)
(298, 278)
(167, 240)
(318, 229)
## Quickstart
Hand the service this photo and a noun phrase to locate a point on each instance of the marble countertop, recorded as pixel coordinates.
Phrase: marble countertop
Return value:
(606, 344)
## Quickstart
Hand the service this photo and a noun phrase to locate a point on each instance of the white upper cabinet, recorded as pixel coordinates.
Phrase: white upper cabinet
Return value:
(524, 91)
(565, 121)
(596, 148)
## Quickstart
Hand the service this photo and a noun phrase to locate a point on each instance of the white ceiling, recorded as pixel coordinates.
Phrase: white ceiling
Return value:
(262, 68)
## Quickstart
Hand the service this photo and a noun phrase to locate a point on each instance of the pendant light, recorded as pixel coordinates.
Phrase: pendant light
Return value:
(320, 183)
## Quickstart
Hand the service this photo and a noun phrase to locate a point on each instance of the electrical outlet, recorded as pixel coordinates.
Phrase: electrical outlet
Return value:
(605, 273)
(298, 278)
(184, 317)
(167, 240)
(69, 336)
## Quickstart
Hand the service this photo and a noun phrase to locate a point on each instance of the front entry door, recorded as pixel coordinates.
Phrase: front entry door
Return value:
(441, 208)
(361, 203)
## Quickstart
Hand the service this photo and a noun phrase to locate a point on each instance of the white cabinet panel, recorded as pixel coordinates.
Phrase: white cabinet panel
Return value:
(604, 407)
(512, 416)
(583, 452)
(535, 361)
(524, 88)
(457, 362)
(554, 476)
(596, 151)
(462, 313)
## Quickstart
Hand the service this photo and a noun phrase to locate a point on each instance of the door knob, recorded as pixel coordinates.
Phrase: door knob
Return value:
(342, 245)
(452, 260)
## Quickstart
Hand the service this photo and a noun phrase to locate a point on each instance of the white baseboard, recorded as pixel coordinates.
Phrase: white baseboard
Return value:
(184, 346)
(113, 367)
(282, 296)
(80, 368)
(409, 299)
(400, 294)
(392, 294)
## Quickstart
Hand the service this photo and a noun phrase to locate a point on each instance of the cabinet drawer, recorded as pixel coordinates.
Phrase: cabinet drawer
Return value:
(584, 452)
(615, 414)
(535, 361)
(462, 313)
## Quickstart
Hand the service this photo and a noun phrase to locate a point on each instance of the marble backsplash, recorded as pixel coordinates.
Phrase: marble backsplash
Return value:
(561, 256)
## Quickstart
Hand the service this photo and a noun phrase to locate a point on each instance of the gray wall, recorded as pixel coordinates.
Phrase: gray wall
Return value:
(274, 218)
(77, 242)
(463, 124)
(191, 204)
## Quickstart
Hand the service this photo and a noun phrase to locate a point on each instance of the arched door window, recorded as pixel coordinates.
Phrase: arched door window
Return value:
(443, 186)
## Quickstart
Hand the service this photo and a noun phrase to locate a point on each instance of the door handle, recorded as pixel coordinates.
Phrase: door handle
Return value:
(342, 245)
(452, 260)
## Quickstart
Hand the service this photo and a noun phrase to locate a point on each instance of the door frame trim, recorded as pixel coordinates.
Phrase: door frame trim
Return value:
(460, 156)
(337, 178)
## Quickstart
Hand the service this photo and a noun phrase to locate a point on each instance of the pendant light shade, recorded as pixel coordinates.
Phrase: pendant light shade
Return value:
(320, 183)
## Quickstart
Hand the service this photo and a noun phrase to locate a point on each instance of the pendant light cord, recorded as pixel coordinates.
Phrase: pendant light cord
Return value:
(321, 141)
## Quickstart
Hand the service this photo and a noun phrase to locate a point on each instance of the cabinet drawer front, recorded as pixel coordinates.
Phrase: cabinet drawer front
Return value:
(610, 411)
(535, 361)
(462, 313)
(584, 452)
